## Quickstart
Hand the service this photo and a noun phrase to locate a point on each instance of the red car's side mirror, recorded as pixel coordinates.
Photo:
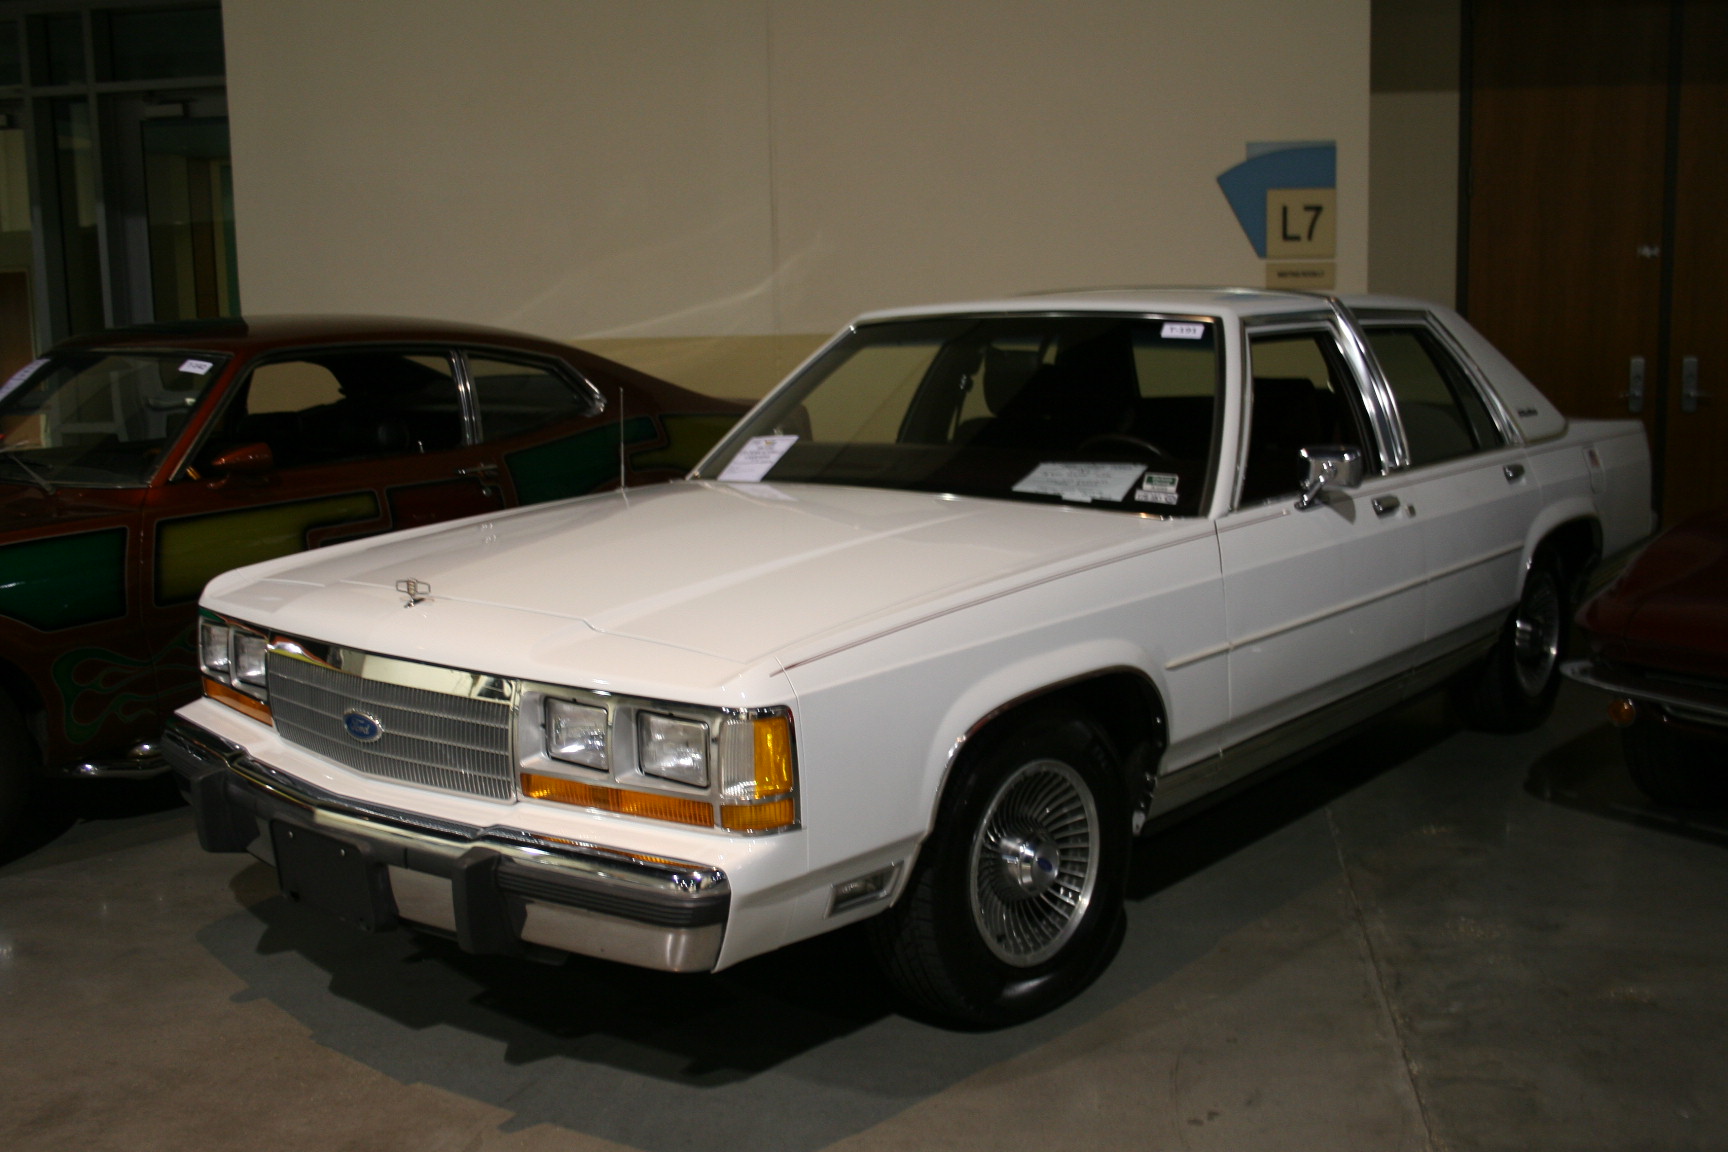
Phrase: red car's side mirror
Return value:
(246, 460)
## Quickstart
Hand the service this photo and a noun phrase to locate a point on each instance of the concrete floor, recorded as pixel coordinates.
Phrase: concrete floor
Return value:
(1424, 939)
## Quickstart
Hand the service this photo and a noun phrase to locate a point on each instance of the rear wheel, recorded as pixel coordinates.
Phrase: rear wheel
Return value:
(18, 761)
(1016, 901)
(1674, 767)
(1513, 689)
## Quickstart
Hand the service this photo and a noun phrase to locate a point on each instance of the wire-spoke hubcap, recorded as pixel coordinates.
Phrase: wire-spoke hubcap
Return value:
(1536, 637)
(1034, 862)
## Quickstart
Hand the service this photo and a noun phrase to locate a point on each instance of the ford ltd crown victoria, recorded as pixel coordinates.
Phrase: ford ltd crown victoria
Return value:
(973, 597)
(136, 464)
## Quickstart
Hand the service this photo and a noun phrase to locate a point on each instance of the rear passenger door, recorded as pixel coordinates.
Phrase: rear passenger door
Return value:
(1475, 497)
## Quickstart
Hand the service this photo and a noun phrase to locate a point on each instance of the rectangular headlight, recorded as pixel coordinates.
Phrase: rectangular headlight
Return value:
(672, 748)
(246, 664)
(213, 649)
(576, 733)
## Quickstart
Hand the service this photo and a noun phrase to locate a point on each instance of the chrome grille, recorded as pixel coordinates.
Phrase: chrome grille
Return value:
(432, 738)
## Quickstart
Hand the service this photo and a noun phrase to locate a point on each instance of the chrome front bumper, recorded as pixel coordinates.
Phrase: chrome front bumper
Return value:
(496, 888)
(1685, 698)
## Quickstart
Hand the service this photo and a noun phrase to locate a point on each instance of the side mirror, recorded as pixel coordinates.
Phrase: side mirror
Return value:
(246, 460)
(1329, 466)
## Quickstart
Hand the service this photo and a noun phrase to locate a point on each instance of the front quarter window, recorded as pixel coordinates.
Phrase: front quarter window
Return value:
(100, 418)
(1113, 411)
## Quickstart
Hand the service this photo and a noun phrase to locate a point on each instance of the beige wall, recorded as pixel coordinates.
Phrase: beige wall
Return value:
(1413, 203)
(645, 172)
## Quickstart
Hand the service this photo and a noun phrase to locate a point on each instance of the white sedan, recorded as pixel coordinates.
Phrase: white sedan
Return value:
(977, 594)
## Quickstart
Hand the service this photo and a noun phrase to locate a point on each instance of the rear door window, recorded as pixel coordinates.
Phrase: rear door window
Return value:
(1444, 417)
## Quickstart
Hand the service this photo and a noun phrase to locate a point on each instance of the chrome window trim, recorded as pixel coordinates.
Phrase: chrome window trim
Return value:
(1377, 393)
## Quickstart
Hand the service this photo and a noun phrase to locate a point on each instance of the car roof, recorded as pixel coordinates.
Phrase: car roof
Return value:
(1230, 303)
(251, 334)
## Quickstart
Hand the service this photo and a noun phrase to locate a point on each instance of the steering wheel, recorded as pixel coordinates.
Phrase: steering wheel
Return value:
(1124, 438)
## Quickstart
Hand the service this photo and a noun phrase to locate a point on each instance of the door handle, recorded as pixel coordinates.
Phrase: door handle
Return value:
(1689, 393)
(1513, 473)
(1634, 394)
(1385, 505)
(487, 476)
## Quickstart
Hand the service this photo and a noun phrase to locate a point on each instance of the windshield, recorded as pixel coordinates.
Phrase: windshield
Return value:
(101, 418)
(1116, 412)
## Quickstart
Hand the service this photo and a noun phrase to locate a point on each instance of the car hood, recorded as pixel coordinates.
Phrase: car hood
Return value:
(1669, 608)
(732, 572)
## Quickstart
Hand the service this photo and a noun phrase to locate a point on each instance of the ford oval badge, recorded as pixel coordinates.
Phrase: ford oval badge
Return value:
(362, 727)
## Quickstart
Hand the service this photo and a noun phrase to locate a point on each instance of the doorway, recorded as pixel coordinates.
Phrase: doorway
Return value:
(1593, 234)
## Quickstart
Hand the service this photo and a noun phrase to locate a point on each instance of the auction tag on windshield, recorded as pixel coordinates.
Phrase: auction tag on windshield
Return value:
(759, 454)
(1082, 482)
(19, 377)
(196, 367)
(1175, 331)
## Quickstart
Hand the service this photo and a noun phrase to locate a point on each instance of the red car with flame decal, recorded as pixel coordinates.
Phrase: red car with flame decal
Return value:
(136, 464)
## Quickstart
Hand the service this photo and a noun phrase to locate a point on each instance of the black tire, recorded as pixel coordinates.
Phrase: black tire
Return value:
(18, 762)
(1015, 904)
(1673, 767)
(1513, 689)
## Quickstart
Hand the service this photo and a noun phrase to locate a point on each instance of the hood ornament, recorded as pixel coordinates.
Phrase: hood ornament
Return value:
(414, 591)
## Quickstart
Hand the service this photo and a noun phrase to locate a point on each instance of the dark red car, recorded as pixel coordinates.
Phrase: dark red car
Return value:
(1658, 638)
(136, 464)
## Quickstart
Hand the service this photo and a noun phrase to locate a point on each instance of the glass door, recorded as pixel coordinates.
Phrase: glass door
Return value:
(17, 249)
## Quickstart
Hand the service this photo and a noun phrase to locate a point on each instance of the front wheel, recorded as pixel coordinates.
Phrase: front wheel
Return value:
(1015, 904)
(1513, 689)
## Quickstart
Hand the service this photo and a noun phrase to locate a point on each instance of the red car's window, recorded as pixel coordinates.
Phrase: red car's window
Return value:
(516, 397)
(327, 407)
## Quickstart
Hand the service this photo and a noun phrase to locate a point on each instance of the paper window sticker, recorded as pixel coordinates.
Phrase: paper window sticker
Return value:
(1160, 481)
(753, 461)
(1147, 496)
(196, 367)
(19, 377)
(1083, 483)
(1175, 331)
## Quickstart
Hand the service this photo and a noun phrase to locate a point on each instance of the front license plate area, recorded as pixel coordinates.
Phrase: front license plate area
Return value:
(333, 875)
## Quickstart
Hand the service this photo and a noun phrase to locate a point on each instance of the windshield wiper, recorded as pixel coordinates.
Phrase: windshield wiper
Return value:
(34, 476)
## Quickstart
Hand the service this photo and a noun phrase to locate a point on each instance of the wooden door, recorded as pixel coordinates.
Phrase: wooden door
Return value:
(1595, 172)
(1696, 440)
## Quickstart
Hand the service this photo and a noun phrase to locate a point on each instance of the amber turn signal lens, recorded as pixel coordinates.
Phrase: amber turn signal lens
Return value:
(238, 700)
(652, 805)
(773, 757)
(758, 817)
(1622, 712)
